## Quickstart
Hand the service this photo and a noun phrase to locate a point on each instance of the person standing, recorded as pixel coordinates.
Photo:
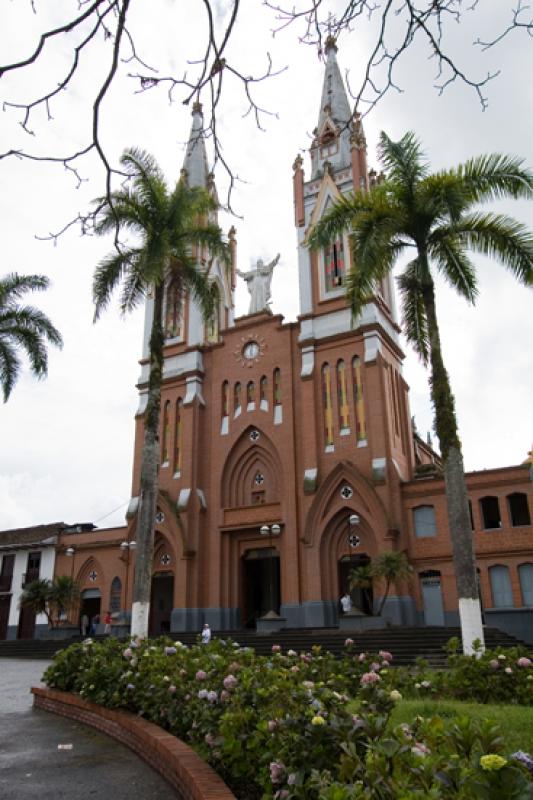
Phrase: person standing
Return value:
(206, 634)
(107, 622)
(346, 603)
(84, 624)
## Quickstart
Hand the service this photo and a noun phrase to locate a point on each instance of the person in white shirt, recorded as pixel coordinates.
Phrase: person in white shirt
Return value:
(346, 603)
(206, 634)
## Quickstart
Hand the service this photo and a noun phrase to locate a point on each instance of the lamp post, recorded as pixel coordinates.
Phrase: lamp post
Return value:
(353, 539)
(270, 531)
(70, 552)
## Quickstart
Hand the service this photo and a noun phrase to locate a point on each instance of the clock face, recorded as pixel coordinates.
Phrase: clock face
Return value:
(251, 350)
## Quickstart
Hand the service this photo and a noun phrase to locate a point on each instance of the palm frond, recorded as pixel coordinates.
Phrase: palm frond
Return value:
(148, 179)
(441, 197)
(13, 286)
(403, 160)
(338, 218)
(453, 263)
(108, 274)
(9, 368)
(495, 176)
(413, 309)
(501, 238)
(29, 318)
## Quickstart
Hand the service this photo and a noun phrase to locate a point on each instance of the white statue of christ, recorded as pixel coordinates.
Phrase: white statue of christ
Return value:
(258, 280)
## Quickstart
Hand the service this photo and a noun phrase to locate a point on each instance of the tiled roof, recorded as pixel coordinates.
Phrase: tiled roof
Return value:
(37, 534)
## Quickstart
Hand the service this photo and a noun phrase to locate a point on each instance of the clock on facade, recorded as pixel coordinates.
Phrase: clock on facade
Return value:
(250, 350)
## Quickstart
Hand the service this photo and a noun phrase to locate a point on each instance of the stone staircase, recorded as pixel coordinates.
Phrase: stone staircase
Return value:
(406, 643)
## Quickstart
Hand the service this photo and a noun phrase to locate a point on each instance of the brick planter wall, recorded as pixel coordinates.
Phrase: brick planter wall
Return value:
(173, 759)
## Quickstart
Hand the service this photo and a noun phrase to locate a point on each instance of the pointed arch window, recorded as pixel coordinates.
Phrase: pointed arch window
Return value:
(225, 399)
(178, 437)
(212, 327)
(237, 399)
(250, 395)
(173, 326)
(263, 390)
(165, 449)
(329, 143)
(334, 265)
(327, 406)
(115, 595)
(277, 387)
(342, 398)
(360, 423)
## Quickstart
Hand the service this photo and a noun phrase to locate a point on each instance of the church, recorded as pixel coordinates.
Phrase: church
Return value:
(288, 455)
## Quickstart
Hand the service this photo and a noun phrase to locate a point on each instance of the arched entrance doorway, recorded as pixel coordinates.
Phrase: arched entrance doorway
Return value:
(91, 605)
(161, 603)
(261, 584)
(362, 595)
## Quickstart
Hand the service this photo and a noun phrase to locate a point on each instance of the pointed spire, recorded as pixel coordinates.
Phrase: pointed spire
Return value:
(195, 162)
(334, 103)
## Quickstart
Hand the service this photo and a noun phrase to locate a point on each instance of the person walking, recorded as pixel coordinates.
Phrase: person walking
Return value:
(107, 622)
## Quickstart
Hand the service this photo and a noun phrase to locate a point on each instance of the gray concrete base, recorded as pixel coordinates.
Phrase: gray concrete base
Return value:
(398, 610)
(361, 622)
(63, 632)
(193, 619)
(268, 624)
(514, 621)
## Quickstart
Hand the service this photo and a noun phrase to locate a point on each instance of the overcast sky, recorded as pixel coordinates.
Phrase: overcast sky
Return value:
(66, 443)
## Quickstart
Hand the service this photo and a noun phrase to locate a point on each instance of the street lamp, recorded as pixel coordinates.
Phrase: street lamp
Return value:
(70, 552)
(270, 531)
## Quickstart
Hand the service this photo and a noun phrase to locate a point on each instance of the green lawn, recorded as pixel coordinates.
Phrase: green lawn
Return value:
(515, 722)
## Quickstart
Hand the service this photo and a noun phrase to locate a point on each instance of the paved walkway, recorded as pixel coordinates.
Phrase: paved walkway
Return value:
(32, 767)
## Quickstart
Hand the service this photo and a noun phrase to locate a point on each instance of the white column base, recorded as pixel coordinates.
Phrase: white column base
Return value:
(140, 613)
(471, 625)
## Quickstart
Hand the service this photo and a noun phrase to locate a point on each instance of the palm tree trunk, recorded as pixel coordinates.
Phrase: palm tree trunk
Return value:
(454, 479)
(383, 599)
(142, 580)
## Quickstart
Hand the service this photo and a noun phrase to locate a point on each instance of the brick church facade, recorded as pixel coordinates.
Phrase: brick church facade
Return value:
(288, 454)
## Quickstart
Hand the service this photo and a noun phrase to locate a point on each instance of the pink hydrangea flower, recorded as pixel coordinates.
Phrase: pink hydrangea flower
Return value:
(172, 689)
(230, 682)
(420, 749)
(127, 652)
(272, 725)
(348, 642)
(508, 670)
(524, 662)
(276, 648)
(291, 780)
(368, 678)
(385, 663)
(277, 769)
(385, 654)
(362, 657)
(295, 669)
(375, 667)
(201, 675)
(202, 694)
(494, 663)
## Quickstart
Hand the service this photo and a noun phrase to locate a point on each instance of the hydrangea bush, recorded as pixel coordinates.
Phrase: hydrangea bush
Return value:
(302, 725)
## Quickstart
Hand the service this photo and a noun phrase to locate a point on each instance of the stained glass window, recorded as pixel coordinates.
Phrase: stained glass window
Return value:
(173, 311)
(360, 425)
(342, 395)
(178, 436)
(277, 387)
(237, 398)
(166, 433)
(225, 399)
(326, 402)
(250, 393)
(334, 265)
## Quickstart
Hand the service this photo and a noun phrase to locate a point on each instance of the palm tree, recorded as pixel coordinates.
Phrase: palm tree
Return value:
(23, 327)
(168, 226)
(35, 596)
(362, 578)
(435, 216)
(63, 595)
(391, 566)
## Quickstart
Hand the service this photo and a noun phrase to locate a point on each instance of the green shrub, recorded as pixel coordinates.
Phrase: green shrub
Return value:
(297, 725)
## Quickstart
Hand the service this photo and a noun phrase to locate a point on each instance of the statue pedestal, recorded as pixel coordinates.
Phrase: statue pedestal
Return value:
(270, 623)
(355, 620)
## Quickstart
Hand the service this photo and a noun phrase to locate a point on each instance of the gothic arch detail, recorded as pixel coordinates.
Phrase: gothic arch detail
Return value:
(328, 503)
(252, 469)
(90, 565)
